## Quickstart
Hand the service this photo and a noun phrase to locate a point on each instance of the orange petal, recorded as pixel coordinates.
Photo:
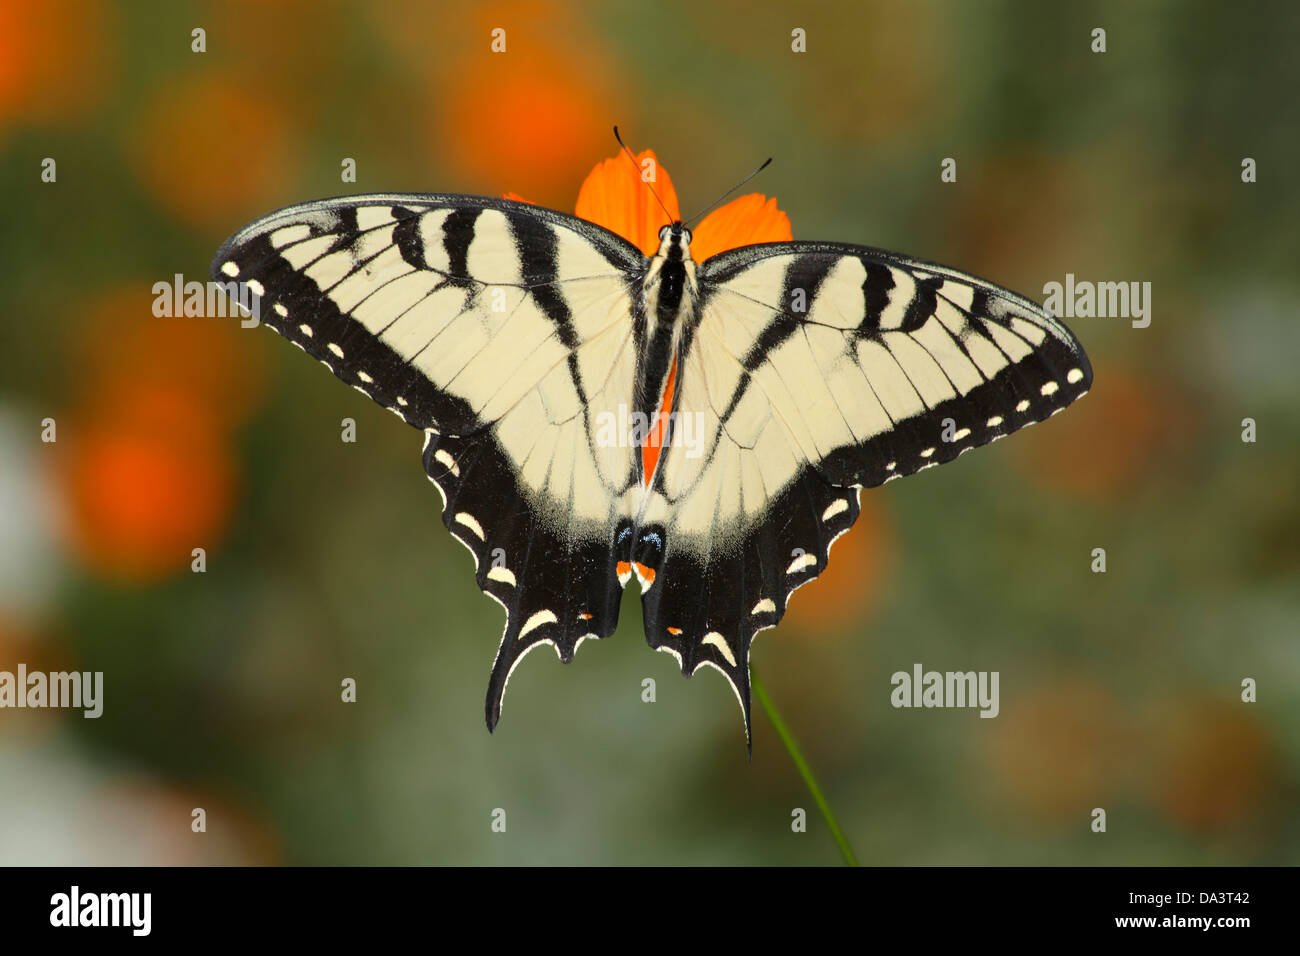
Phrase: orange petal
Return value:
(741, 222)
(517, 198)
(618, 197)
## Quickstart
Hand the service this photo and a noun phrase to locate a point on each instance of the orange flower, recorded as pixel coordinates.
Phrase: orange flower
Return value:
(617, 195)
(198, 169)
(212, 359)
(141, 495)
(55, 63)
(1211, 764)
(1061, 749)
(149, 470)
(537, 103)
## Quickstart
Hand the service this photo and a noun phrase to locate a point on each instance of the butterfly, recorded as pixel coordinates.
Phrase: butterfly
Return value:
(593, 415)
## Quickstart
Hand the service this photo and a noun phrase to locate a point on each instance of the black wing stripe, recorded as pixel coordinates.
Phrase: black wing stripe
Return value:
(406, 235)
(875, 295)
(804, 275)
(457, 235)
(922, 305)
(537, 246)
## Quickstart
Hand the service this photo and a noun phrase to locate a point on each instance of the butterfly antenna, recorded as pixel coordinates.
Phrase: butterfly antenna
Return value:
(638, 173)
(701, 215)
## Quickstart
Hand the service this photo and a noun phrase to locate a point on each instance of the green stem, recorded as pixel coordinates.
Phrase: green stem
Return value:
(805, 771)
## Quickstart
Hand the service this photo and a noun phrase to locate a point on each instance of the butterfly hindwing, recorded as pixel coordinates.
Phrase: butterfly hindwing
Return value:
(556, 587)
(712, 594)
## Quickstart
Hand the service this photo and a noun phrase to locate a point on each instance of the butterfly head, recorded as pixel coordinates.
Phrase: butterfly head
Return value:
(674, 241)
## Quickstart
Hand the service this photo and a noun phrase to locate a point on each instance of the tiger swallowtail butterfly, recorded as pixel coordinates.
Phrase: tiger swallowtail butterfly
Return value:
(532, 348)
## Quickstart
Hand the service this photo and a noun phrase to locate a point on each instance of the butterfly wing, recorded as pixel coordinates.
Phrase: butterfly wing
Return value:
(816, 370)
(493, 326)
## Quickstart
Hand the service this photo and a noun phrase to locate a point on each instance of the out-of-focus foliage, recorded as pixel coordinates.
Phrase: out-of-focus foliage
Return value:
(327, 560)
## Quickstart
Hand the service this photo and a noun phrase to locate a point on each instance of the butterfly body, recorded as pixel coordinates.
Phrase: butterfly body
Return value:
(669, 294)
(512, 336)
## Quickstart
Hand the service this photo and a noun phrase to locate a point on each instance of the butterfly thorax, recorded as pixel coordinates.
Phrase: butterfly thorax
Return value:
(669, 282)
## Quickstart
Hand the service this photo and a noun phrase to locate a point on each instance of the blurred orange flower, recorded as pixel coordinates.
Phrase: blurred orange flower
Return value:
(54, 62)
(1210, 761)
(194, 146)
(529, 96)
(123, 342)
(531, 115)
(141, 497)
(146, 807)
(1105, 445)
(1061, 750)
(147, 464)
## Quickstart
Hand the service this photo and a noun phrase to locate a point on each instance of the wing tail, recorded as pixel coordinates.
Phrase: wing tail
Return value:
(556, 588)
(706, 607)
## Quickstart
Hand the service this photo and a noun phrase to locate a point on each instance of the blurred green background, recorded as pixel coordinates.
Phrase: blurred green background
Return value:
(328, 560)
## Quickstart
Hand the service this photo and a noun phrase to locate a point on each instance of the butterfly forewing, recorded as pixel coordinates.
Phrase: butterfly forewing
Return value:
(896, 365)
